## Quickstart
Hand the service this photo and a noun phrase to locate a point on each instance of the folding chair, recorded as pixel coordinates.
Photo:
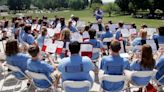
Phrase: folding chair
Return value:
(134, 76)
(15, 69)
(113, 79)
(76, 86)
(157, 82)
(39, 76)
(86, 49)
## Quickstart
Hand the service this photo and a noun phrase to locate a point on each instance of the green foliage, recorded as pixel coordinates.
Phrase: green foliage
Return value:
(18, 4)
(123, 4)
(76, 4)
(95, 5)
(111, 8)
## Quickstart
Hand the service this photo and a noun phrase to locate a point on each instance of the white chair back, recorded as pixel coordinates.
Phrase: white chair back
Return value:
(107, 39)
(76, 84)
(143, 73)
(113, 79)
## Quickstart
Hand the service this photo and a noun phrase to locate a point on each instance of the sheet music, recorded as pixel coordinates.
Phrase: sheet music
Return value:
(152, 44)
(50, 32)
(127, 26)
(113, 27)
(86, 47)
(125, 32)
(151, 31)
(133, 31)
(95, 26)
(77, 37)
(81, 23)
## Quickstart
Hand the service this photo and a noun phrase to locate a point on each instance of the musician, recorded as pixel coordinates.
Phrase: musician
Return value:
(15, 57)
(27, 37)
(75, 67)
(39, 66)
(96, 43)
(72, 27)
(114, 65)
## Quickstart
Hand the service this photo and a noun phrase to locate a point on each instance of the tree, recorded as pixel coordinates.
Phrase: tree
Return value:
(111, 8)
(123, 4)
(19, 4)
(95, 1)
(76, 4)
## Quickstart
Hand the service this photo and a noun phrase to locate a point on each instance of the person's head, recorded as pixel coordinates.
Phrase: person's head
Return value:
(12, 48)
(133, 26)
(99, 21)
(34, 51)
(143, 26)
(147, 60)
(62, 21)
(92, 33)
(110, 22)
(44, 31)
(115, 46)
(65, 35)
(121, 24)
(143, 34)
(27, 28)
(86, 28)
(106, 28)
(74, 47)
(69, 23)
(161, 31)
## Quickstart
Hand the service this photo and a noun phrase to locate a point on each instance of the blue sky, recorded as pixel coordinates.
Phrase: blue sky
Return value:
(108, 0)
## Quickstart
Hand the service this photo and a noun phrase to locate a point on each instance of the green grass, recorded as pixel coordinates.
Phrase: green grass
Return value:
(87, 16)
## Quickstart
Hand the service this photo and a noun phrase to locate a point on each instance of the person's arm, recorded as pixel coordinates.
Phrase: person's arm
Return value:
(51, 60)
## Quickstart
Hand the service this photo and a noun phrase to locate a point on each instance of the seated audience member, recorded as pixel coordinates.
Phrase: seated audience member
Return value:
(118, 32)
(96, 43)
(85, 33)
(15, 58)
(114, 64)
(27, 37)
(65, 37)
(143, 26)
(160, 38)
(107, 33)
(39, 66)
(100, 25)
(71, 27)
(41, 37)
(75, 67)
(160, 68)
(140, 40)
(145, 63)
(62, 22)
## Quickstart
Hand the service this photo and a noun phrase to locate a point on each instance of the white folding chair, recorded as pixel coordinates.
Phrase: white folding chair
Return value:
(156, 82)
(114, 79)
(107, 40)
(39, 76)
(76, 86)
(86, 49)
(15, 69)
(140, 75)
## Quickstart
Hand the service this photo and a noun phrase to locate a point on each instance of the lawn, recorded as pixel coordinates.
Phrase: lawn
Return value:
(87, 16)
